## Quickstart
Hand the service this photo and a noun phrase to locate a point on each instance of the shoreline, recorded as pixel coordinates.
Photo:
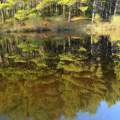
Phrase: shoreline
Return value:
(47, 26)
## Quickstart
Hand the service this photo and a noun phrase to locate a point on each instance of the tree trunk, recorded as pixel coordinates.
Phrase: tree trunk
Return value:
(63, 10)
(69, 15)
(93, 11)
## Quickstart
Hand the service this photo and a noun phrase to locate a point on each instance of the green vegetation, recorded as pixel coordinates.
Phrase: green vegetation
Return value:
(44, 76)
(26, 13)
(24, 9)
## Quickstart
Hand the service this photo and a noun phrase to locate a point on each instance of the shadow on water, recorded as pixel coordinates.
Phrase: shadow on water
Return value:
(59, 77)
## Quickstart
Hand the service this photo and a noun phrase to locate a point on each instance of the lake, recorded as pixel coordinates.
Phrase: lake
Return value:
(56, 76)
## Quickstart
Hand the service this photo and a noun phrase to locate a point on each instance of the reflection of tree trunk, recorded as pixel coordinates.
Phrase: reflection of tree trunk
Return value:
(91, 51)
(106, 47)
(27, 108)
(88, 44)
(1, 59)
(69, 41)
(106, 56)
(3, 16)
(64, 45)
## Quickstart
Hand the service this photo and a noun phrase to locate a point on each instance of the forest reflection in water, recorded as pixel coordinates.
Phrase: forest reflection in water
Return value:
(58, 77)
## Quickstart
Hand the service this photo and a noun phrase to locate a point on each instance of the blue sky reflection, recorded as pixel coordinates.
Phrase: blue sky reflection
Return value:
(104, 112)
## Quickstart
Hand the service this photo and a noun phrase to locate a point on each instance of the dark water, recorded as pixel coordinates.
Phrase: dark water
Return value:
(59, 77)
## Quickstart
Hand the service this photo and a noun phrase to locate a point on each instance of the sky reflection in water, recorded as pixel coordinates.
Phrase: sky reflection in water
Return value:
(104, 112)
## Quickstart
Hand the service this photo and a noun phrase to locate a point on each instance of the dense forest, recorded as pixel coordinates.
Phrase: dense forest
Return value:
(21, 10)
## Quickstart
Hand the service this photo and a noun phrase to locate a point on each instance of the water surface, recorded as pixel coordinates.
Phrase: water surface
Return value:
(59, 77)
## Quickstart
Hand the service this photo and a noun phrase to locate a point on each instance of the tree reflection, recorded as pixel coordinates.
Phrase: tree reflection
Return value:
(43, 79)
